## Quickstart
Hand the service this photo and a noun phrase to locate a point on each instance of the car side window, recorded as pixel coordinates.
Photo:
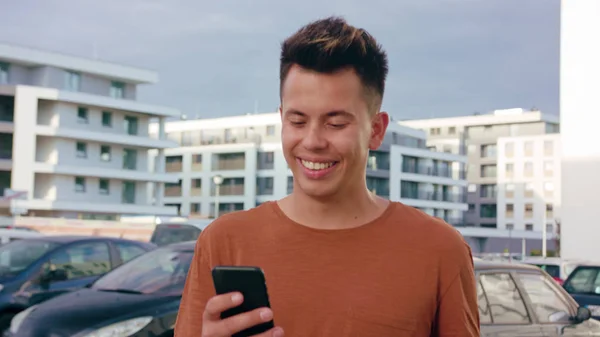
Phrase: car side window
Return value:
(485, 317)
(548, 305)
(504, 299)
(584, 280)
(82, 260)
(128, 251)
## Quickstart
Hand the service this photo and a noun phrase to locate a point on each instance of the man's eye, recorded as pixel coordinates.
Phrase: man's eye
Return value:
(296, 123)
(337, 126)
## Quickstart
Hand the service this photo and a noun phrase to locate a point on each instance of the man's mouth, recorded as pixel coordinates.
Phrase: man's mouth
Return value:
(316, 166)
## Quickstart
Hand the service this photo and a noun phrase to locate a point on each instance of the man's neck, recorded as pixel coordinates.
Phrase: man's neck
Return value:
(334, 213)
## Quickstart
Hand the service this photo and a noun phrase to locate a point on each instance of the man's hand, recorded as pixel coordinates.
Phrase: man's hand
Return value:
(214, 326)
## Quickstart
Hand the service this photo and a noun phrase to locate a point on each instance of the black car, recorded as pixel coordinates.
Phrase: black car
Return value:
(140, 298)
(36, 269)
(584, 286)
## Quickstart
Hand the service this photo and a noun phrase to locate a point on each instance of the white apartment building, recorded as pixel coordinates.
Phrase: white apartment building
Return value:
(74, 141)
(478, 137)
(579, 107)
(529, 182)
(246, 152)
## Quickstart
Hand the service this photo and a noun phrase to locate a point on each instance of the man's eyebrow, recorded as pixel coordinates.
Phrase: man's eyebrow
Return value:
(295, 112)
(341, 113)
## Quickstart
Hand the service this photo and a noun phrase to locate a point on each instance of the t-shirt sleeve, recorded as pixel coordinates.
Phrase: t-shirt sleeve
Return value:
(458, 313)
(197, 291)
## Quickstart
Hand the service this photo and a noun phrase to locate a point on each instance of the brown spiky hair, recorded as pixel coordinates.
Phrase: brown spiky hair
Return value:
(331, 44)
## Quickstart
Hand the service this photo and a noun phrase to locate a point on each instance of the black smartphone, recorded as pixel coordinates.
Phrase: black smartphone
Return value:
(251, 282)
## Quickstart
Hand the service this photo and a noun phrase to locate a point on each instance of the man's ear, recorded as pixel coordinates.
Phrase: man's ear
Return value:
(379, 125)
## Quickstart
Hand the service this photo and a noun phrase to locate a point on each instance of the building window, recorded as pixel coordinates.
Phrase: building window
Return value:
(529, 187)
(528, 148)
(106, 118)
(4, 72)
(549, 211)
(510, 210)
(548, 168)
(435, 131)
(104, 186)
(488, 191)
(80, 184)
(82, 115)
(128, 192)
(452, 130)
(488, 151)
(509, 170)
(104, 153)
(195, 208)
(264, 186)
(509, 190)
(509, 150)
(510, 226)
(81, 150)
(529, 211)
(290, 184)
(487, 210)
(129, 159)
(472, 188)
(270, 130)
(529, 227)
(528, 169)
(265, 160)
(130, 125)
(117, 89)
(488, 171)
(471, 208)
(548, 148)
(72, 81)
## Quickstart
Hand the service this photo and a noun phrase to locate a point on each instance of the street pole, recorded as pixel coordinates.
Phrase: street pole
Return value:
(510, 244)
(217, 180)
(523, 248)
(544, 234)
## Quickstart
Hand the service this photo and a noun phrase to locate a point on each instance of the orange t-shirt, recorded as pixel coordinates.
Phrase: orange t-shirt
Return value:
(403, 274)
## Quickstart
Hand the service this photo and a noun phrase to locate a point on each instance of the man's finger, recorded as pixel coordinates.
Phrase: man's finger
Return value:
(217, 304)
(237, 323)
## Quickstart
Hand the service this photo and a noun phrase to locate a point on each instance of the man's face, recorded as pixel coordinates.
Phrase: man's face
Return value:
(328, 131)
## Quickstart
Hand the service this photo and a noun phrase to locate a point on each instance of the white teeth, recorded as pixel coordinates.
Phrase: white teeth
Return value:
(316, 166)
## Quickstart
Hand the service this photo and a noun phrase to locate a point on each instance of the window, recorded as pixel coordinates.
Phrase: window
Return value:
(488, 151)
(270, 130)
(452, 130)
(505, 302)
(510, 226)
(196, 208)
(509, 210)
(81, 150)
(117, 89)
(509, 149)
(472, 188)
(128, 193)
(509, 190)
(487, 210)
(72, 81)
(471, 208)
(488, 171)
(129, 159)
(529, 227)
(290, 184)
(529, 210)
(104, 152)
(104, 186)
(488, 191)
(549, 189)
(529, 190)
(130, 125)
(82, 260)
(264, 185)
(548, 305)
(128, 251)
(79, 184)
(509, 169)
(528, 148)
(528, 169)
(434, 131)
(82, 115)
(549, 211)
(548, 148)
(106, 118)
(584, 280)
(4, 73)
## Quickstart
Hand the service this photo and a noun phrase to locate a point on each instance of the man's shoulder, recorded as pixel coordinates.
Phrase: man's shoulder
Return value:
(238, 221)
(427, 227)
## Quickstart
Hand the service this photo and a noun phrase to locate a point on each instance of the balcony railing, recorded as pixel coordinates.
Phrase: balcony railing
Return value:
(428, 170)
(174, 166)
(230, 164)
(196, 191)
(448, 197)
(229, 190)
(172, 191)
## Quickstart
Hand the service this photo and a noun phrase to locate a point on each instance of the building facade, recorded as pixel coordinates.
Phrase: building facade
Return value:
(74, 141)
(579, 106)
(479, 138)
(246, 152)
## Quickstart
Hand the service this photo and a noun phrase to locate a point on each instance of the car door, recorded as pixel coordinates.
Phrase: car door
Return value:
(80, 263)
(127, 251)
(550, 306)
(584, 286)
(503, 312)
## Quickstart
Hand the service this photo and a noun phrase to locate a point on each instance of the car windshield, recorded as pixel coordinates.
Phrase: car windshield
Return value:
(552, 269)
(173, 233)
(584, 281)
(18, 255)
(160, 271)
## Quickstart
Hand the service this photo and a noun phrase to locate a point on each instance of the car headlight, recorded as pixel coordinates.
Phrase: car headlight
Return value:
(123, 328)
(16, 322)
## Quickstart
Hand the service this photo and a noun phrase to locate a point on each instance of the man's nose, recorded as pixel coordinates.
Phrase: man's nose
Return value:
(315, 138)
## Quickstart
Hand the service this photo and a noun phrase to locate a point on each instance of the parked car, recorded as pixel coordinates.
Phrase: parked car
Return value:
(557, 267)
(23, 228)
(141, 298)
(12, 234)
(168, 233)
(36, 269)
(522, 300)
(584, 285)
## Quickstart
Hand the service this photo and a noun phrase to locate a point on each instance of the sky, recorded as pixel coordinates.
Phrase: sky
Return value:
(221, 58)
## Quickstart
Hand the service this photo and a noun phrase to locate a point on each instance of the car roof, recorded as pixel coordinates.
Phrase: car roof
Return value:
(200, 225)
(490, 265)
(75, 238)
(185, 245)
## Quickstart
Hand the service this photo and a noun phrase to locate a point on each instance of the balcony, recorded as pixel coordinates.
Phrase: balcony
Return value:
(428, 170)
(172, 190)
(174, 167)
(231, 190)
(230, 161)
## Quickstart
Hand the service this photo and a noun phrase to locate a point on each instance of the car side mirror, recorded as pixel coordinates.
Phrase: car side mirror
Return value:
(54, 274)
(583, 314)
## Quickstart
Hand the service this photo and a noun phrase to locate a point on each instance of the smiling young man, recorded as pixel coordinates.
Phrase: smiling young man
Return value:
(339, 261)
